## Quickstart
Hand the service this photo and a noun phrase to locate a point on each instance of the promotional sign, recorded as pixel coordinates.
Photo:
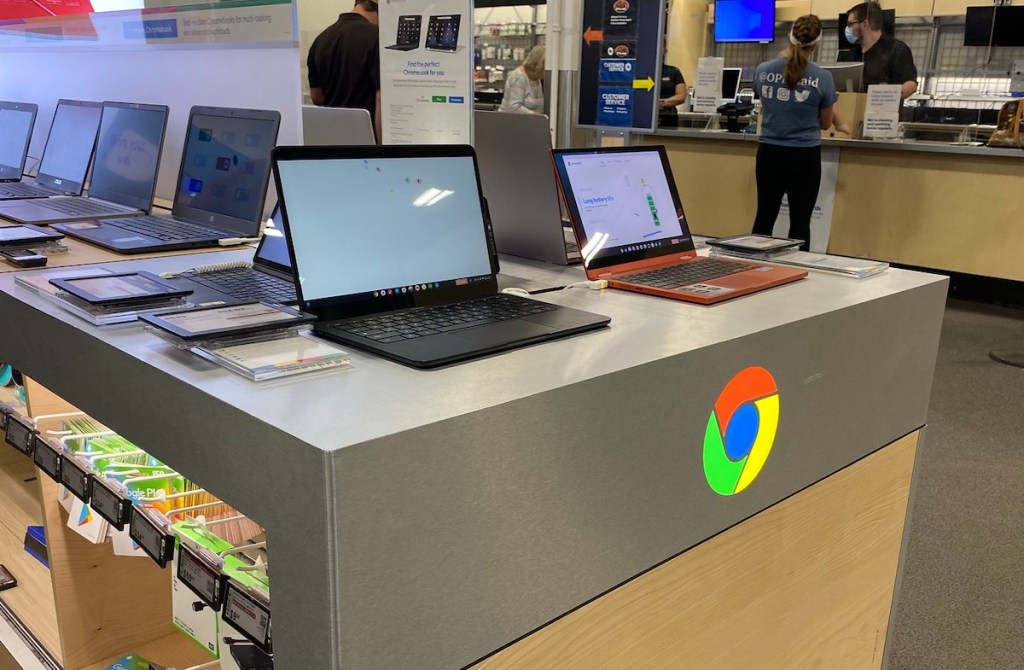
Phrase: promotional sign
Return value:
(620, 63)
(882, 114)
(821, 219)
(232, 21)
(707, 90)
(426, 71)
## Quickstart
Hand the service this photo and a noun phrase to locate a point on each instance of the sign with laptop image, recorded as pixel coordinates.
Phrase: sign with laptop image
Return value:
(419, 281)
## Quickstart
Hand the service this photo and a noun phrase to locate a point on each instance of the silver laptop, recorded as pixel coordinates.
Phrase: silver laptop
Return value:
(514, 154)
(67, 154)
(336, 126)
(16, 122)
(123, 181)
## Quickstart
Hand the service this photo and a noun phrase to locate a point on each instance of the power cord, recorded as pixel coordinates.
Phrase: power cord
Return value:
(595, 285)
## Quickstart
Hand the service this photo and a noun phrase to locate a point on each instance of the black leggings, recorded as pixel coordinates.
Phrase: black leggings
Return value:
(796, 172)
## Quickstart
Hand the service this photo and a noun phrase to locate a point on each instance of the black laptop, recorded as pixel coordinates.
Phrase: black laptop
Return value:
(443, 33)
(269, 277)
(392, 253)
(222, 183)
(408, 33)
(16, 122)
(67, 154)
(123, 179)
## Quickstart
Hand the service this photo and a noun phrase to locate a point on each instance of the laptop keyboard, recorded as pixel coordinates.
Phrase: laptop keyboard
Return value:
(423, 321)
(78, 206)
(167, 230)
(19, 188)
(685, 274)
(245, 284)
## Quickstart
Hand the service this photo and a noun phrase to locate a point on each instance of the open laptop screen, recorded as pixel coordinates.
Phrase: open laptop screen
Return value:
(69, 145)
(16, 121)
(623, 202)
(128, 154)
(226, 166)
(377, 226)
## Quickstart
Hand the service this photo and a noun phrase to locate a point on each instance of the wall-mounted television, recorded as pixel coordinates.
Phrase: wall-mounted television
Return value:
(1002, 26)
(744, 20)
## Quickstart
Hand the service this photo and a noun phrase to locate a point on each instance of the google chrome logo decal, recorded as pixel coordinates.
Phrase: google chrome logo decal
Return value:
(741, 431)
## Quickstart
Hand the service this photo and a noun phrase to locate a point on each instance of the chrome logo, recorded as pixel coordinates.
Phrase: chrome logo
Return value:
(741, 431)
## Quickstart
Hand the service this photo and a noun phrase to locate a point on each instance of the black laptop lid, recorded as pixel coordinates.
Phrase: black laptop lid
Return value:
(69, 145)
(225, 167)
(623, 204)
(377, 228)
(408, 30)
(16, 122)
(273, 251)
(128, 150)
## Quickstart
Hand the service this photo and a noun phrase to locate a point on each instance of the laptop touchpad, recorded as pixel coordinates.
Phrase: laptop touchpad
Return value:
(506, 331)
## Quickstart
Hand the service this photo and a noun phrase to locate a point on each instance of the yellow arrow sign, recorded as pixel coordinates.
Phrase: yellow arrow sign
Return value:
(646, 84)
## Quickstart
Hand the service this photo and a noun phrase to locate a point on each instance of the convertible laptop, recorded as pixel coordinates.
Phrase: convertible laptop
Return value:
(408, 33)
(443, 33)
(67, 153)
(123, 178)
(392, 253)
(632, 231)
(268, 277)
(225, 167)
(514, 152)
(16, 122)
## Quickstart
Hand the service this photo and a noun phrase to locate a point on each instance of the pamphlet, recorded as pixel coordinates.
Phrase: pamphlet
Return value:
(269, 358)
(854, 267)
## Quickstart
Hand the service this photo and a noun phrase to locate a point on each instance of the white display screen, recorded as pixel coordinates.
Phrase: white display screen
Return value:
(624, 196)
(360, 225)
(226, 318)
(18, 233)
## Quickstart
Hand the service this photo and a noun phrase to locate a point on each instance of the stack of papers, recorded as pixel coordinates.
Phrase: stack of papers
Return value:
(854, 267)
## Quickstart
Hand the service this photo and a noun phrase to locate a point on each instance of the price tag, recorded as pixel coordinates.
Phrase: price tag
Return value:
(110, 504)
(77, 478)
(249, 616)
(151, 536)
(199, 575)
(20, 434)
(48, 458)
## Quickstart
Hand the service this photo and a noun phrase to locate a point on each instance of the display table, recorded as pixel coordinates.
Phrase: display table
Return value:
(430, 519)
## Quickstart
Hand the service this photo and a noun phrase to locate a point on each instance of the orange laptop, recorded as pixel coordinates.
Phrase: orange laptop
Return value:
(631, 229)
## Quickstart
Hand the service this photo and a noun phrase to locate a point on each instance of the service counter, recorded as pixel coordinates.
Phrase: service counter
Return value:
(549, 506)
(924, 204)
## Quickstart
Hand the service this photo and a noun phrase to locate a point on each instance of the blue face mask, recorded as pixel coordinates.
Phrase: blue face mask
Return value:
(850, 37)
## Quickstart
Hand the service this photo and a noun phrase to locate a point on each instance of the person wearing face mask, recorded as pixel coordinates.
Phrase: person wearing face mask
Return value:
(797, 103)
(886, 59)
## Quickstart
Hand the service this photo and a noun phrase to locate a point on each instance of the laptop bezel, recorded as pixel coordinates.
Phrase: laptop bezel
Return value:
(683, 245)
(269, 266)
(245, 227)
(56, 182)
(96, 190)
(338, 307)
(15, 172)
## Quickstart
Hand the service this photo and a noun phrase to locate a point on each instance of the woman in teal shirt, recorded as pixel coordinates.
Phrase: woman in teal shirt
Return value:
(797, 98)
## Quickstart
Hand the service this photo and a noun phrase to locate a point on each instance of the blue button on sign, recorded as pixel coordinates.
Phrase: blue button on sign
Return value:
(457, 99)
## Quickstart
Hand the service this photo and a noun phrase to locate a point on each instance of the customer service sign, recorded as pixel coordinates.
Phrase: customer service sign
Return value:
(426, 71)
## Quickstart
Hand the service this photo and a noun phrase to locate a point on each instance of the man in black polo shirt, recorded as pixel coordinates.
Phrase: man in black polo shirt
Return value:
(886, 59)
(344, 62)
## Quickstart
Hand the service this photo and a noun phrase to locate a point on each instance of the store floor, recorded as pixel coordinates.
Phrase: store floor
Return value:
(961, 604)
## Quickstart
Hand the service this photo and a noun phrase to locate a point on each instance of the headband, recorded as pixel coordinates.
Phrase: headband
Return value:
(795, 42)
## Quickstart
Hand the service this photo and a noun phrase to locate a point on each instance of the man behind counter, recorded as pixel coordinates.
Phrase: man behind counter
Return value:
(886, 59)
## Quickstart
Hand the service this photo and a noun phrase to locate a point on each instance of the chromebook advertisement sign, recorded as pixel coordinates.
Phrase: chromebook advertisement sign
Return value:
(426, 71)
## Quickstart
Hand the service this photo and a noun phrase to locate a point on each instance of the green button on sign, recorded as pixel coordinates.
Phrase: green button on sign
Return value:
(439, 98)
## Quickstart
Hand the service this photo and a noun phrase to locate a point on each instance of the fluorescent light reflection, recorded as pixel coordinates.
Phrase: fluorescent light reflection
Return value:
(431, 196)
(593, 245)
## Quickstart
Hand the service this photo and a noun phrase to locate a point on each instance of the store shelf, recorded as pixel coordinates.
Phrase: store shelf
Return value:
(31, 601)
(174, 650)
